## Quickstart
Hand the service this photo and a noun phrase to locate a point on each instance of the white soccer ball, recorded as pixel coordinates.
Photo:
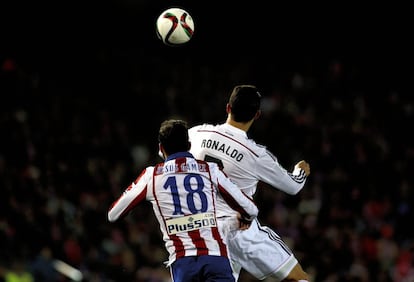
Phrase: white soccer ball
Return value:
(175, 27)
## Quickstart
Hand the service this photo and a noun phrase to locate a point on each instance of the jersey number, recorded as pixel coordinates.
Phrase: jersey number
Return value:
(172, 184)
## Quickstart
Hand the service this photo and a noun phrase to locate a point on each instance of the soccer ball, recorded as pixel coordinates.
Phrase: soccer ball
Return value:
(175, 27)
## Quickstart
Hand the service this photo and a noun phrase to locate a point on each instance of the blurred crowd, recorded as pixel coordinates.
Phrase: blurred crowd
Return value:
(72, 141)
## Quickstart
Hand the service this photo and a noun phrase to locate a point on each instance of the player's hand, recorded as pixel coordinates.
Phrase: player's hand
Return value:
(243, 223)
(303, 165)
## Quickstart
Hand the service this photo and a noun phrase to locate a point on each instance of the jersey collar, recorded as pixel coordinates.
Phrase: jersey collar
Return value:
(234, 129)
(179, 155)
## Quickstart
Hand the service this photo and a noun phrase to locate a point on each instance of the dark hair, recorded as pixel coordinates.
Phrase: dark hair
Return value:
(244, 102)
(173, 136)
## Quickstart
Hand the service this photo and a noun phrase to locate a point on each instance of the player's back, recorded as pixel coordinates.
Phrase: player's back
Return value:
(230, 148)
(183, 198)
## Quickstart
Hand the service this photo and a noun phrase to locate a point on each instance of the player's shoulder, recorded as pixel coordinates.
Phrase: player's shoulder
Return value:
(203, 126)
(197, 129)
(211, 166)
(216, 170)
(150, 169)
(259, 149)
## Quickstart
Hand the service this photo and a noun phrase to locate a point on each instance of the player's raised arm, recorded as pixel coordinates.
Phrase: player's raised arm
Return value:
(271, 172)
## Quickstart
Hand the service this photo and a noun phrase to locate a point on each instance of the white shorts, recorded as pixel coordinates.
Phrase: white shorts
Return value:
(258, 250)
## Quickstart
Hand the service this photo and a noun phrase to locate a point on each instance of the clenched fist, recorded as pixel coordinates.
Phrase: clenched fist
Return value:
(303, 165)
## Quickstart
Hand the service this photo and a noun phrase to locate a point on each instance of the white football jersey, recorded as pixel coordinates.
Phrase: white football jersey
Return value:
(183, 193)
(244, 161)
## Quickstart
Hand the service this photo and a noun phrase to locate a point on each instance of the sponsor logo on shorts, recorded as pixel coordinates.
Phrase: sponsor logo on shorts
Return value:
(190, 222)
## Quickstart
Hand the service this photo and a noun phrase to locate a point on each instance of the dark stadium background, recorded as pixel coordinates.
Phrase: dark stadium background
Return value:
(84, 86)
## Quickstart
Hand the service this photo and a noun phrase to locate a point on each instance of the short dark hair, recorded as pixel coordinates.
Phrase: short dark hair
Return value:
(244, 102)
(173, 136)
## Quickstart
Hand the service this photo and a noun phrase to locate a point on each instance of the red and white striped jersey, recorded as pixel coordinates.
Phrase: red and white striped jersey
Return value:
(244, 161)
(183, 194)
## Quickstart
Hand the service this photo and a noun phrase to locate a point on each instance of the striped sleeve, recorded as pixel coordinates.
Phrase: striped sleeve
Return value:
(234, 197)
(132, 195)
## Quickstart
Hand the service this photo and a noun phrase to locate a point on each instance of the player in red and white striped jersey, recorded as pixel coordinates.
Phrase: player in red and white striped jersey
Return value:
(259, 250)
(183, 192)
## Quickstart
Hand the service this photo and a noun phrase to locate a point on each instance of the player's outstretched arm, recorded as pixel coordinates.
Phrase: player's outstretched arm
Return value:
(270, 171)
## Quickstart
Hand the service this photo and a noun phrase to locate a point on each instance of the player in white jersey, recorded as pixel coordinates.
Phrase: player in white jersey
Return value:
(259, 250)
(183, 192)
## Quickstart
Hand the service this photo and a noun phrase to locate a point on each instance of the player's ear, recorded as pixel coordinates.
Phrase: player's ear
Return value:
(228, 108)
(257, 115)
(161, 151)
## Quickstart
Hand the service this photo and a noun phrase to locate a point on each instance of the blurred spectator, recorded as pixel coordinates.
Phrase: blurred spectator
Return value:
(18, 272)
(72, 136)
(42, 267)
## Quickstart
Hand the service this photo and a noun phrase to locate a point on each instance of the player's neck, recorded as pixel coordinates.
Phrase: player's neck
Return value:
(245, 126)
